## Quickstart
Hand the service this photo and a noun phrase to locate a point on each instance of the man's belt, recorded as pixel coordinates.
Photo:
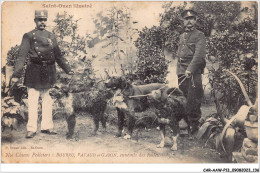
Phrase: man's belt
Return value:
(42, 62)
(181, 60)
(184, 60)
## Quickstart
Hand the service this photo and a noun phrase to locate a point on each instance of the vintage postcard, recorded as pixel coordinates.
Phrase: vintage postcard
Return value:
(129, 82)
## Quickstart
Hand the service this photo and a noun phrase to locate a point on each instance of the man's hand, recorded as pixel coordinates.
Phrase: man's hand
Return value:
(168, 54)
(188, 74)
(14, 81)
(71, 73)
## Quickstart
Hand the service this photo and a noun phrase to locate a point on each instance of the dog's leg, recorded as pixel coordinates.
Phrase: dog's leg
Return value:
(189, 124)
(103, 121)
(130, 125)
(138, 134)
(96, 119)
(175, 145)
(175, 130)
(162, 133)
(121, 117)
(71, 122)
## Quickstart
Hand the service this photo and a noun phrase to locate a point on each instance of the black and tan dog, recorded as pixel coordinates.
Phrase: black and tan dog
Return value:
(138, 104)
(170, 105)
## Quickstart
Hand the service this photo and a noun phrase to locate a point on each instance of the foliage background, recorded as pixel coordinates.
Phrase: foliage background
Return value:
(119, 48)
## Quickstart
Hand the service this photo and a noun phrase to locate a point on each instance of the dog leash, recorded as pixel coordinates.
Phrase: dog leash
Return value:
(192, 82)
(137, 96)
(181, 76)
(185, 77)
(179, 85)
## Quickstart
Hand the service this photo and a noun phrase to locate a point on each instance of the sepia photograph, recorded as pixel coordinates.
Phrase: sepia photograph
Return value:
(130, 82)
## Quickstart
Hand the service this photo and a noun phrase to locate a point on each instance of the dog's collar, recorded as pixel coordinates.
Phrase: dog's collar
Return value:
(122, 91)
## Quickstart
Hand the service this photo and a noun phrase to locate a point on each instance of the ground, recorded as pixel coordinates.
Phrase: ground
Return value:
(102, 148)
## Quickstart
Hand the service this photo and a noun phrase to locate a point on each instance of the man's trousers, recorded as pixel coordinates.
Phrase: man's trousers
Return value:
(33, 104)
(193, 91)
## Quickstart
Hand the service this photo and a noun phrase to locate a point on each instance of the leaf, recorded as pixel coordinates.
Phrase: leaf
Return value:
(212, 120)
(122, 52)
(7, 99)
(212, 66)
(22, 110)
(5, 105)
(213, 134)
(13, 103)
(12, 110)
(203, 129)
(218, 141)
(209, 131)
(242, 112)
(106, 45)
(63, 76)
(6, 121)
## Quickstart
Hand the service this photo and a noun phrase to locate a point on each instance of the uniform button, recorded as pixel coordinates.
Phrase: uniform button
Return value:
(35, 42)
(34, 38)
(39, 52)
(36, 48)
(33, 33)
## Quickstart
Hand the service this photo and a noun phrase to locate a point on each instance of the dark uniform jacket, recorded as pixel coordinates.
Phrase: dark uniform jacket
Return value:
(191, 56)
(191, 52)
(40, 49)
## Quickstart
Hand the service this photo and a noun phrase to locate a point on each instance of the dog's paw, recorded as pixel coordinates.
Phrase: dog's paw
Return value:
(77, 136)
(93, 134)
(118, 135)
(103, 131)
(127, 137)
(69, 136)
(161, 145)
(174, 147)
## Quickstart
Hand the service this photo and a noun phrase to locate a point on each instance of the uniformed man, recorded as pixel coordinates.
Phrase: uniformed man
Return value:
(191, 63)
(40, 49)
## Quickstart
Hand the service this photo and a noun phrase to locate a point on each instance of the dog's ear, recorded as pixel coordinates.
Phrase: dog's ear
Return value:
(156, 95)
(124, 83)
(178, 92)
(165, 94)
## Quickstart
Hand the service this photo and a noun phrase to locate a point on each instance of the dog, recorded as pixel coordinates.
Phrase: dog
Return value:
(98, 108)
(170, 105)
(134, 103)
(65, 100)
(76, 99)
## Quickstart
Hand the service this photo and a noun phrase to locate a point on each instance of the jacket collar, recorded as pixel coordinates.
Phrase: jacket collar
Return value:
(189, 29)
(36, 29)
